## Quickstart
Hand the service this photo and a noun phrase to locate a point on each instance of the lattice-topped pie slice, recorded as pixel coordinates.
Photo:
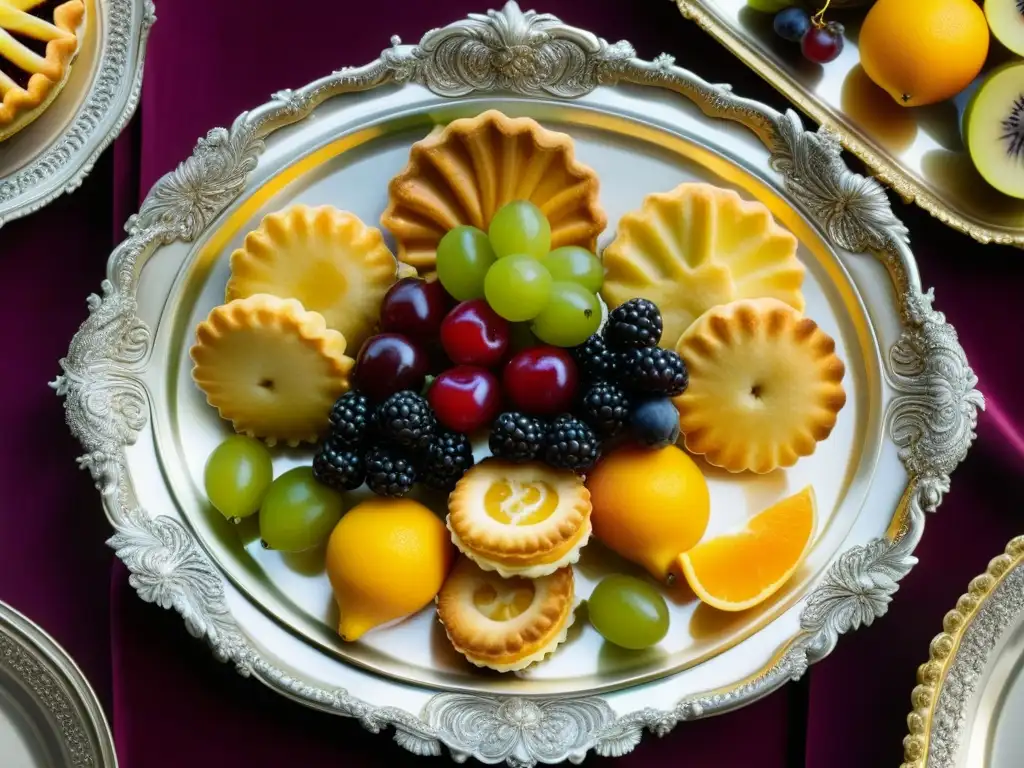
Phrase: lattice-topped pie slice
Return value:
(38, 41)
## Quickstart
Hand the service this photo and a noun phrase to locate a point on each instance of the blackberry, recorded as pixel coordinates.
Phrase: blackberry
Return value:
(571, 444)
(605, 407)
(654, 371)
(637, 323)
(595, 360)
(350, 418)
(449, 456)
(338, 465)
(388, 472)
(517, 437)
(407, 420)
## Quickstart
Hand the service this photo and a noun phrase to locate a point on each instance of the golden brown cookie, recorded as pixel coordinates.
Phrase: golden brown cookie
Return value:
(696, 247)
(765, 385)
(464, 172)
(505, 624)
(271, 368)
(328, 259)
(519, 519)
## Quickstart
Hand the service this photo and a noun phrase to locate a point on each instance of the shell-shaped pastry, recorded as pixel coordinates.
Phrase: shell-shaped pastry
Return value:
(328, 259)
(695, 248)
(519, 519)
(271, 368)
(765, 386)
(505, 624)
(463, 173)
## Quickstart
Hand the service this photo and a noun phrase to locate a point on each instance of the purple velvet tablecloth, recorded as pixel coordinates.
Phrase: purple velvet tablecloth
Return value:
(170, 703)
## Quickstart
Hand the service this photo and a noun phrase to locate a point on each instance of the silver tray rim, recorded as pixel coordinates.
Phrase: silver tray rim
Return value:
(57, 684)
(946, 696)
(111, 101)
(931, 420)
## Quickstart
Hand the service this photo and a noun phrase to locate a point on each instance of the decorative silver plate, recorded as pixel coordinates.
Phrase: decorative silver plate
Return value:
(644, 126)
(969, 703)
(55, 153)
(49, 716)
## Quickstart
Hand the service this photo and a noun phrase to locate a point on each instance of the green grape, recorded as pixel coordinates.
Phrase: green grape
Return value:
(769, 6)
(628, 612)
(237, 475)
(463, 257)
(571, 315)
(576, 265)
(517, 287)
(520, 227)
(298, 513)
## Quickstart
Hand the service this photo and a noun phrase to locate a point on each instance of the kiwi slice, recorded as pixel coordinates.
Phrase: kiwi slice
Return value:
(994, 128)
(1006, 20)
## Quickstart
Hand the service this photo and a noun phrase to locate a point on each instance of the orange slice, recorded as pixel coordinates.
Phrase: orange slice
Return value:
(736, 571)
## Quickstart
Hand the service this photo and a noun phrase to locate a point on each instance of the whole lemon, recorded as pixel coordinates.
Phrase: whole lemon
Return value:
(386, 558)
(923, 51)
(650, 506)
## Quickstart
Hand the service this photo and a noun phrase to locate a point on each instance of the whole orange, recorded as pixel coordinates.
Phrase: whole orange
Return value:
(649, 505)
(923, 51)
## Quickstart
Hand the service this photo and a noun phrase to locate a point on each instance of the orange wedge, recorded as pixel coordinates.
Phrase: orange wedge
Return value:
(736, 571)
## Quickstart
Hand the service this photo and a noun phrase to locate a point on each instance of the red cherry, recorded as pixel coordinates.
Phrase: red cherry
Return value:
(823, 44)
(414, 307)
(465, 398)
(389, 363)
(541, 380)
(474, 334)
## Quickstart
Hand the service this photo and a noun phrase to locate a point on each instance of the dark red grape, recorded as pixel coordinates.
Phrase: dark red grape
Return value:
(823, 44)
(465, 398)
(389, 363)
(474, 334)
(415, 308)
(541, 381)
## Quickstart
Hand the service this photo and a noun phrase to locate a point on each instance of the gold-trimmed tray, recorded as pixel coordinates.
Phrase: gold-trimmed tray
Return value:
(969, 703)
(918, 152)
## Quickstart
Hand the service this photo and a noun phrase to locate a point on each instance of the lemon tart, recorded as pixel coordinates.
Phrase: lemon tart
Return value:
(696, 247)
(326, 258)
(464, 172)
(38, 42)
(519, 519)
(505, 624)
(271, 368)
(765, 386)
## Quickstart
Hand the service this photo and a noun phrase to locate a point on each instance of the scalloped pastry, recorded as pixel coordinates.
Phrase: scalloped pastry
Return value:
(271, 368)
(765, 386)
(328, 259)
(38, 43)
(697, 247)
(464, 172)
(519, 519)
(505, 624)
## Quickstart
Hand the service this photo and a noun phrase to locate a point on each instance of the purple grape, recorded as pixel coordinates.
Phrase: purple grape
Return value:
(791, 24)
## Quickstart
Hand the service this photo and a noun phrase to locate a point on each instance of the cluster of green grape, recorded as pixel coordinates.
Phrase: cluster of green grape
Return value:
(296, 512)
(513, 267)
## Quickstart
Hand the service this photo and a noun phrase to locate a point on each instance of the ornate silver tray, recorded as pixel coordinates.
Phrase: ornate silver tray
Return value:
(49, 716)
(644, 126)
(969, 704)
(57, 151)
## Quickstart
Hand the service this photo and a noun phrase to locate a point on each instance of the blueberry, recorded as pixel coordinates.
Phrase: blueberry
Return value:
(655, 422)
(791, 24)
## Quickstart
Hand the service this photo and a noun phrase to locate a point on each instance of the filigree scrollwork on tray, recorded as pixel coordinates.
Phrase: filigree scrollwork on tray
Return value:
(932, 417)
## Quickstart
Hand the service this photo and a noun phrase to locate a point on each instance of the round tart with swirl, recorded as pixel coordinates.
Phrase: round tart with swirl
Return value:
(39, 39)
(765, 386)
(505, 624)
(519, 519)
(463, 173)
